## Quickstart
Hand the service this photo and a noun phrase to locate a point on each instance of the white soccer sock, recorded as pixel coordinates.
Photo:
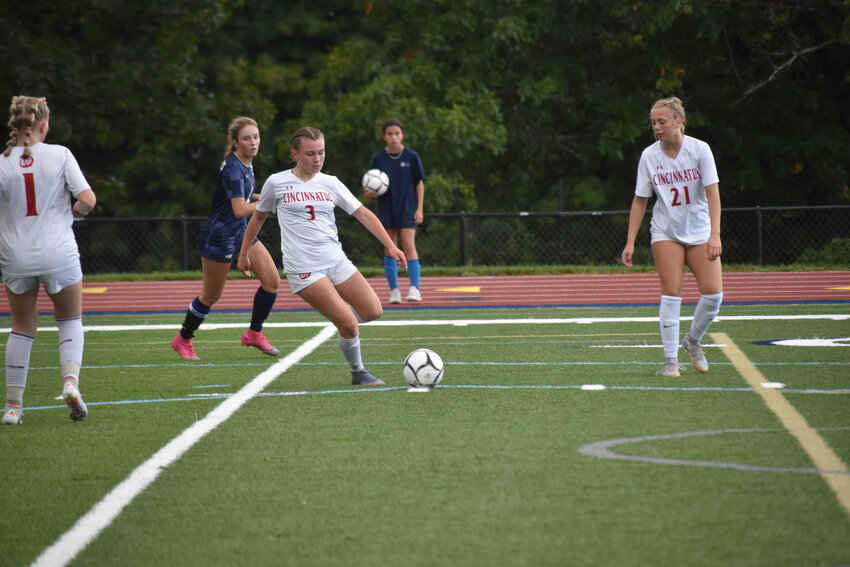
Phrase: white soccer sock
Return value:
(668, 316)
(18, 350)
(351, 351)
(707, 309)
(71, 342)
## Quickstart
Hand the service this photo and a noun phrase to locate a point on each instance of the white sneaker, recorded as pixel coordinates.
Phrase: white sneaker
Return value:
(413, 294)
(13, 417)
(395, 295)
(77, 409)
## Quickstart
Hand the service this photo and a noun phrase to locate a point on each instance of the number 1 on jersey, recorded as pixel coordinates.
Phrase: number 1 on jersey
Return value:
(29, 184)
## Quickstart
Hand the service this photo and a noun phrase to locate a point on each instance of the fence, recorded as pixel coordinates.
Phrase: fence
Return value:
(756, 235)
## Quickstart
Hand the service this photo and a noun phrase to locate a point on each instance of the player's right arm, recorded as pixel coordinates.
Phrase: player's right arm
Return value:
(251, 232)
(635, 220)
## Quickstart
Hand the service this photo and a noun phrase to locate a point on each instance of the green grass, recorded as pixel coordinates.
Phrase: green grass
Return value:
(483, 470)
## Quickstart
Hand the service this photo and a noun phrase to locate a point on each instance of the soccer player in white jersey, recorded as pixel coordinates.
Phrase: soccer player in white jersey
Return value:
(315, 265)
(685, 228)
(37, 247)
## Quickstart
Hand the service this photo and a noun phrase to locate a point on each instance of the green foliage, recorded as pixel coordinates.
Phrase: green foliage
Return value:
(501, 98)
(837, 252)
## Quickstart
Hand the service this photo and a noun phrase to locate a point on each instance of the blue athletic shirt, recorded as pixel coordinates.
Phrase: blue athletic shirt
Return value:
(221, 236)
(397, 206)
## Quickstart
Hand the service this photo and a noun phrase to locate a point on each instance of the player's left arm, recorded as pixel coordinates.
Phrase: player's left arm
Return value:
(712, 195)
(419, 215)
(86, 201)
(368, 219)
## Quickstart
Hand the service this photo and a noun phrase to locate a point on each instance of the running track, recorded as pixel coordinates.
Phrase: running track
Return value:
(571, 290)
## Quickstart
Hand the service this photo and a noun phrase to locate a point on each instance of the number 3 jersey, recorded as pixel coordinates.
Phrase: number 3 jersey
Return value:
(309, 240)
(681, 207)
(35, 210)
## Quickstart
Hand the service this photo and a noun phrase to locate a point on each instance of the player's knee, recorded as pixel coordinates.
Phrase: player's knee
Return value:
(371, 313)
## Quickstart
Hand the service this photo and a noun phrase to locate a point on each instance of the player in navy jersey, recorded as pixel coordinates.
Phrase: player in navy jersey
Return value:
(221, 239)
(38, 247)
(685, 228)
(316, 267)
(401, 207)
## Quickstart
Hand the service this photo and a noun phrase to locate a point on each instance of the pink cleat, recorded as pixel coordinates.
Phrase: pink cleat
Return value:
(256, 339)
(184, 348)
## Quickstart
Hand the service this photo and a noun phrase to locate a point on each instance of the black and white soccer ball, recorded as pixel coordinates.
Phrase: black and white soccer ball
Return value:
(423, 368)
(376, 180)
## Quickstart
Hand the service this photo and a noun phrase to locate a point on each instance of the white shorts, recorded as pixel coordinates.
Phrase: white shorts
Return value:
(53, 283)
(337, 274)
(658, 235)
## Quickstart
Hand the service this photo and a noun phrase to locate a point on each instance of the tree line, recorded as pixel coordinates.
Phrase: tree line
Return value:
(512, 105)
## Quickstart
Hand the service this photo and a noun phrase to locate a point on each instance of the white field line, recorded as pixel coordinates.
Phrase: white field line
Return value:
(462, 322)
(102, 514)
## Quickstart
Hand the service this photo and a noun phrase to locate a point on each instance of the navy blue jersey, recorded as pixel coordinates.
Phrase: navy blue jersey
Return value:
(397, 206)
(221, 236)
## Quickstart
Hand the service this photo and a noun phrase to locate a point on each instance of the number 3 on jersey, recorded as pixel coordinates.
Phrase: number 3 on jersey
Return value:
(311, 211)
(29, 185)
(676, 201)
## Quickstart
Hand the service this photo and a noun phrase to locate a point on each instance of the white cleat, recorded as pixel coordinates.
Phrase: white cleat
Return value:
(696, 352)
(13, 417)
(76, 406)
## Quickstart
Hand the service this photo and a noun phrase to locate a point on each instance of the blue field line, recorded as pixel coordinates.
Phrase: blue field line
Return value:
(219, 396)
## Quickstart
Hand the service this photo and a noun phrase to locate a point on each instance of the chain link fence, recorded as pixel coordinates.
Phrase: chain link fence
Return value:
(766, 235)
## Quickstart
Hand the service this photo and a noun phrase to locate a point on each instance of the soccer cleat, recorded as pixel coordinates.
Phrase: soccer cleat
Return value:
(395, 295)
(413, 294)
(76, 406)
(256, 339)
(695, 350)
(363, 378)
(13, 416)
(670, 369)
(184, 348)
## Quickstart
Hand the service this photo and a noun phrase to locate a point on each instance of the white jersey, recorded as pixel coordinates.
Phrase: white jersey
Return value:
(681, 208)
(35, 210)
(305, 211)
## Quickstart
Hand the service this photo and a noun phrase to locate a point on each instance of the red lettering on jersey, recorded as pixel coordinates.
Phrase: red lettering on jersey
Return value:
(25, 161)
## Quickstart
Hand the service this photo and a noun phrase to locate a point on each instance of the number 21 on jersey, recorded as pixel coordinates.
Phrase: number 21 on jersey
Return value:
(676, 195)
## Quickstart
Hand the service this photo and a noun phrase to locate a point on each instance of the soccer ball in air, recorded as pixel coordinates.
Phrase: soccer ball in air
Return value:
(423, 368)
(376, 180)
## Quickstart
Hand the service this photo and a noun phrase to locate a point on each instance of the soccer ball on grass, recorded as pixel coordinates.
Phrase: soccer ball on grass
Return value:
(423, 368)
(376, 180)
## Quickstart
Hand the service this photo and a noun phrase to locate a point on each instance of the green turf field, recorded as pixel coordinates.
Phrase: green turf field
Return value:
(550, 441)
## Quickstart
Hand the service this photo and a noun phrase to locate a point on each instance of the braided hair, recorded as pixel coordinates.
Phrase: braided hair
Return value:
(25, 113)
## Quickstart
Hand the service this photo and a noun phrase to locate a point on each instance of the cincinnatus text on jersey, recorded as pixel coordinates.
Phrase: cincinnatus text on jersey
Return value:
(671, 177)
(302, 196)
